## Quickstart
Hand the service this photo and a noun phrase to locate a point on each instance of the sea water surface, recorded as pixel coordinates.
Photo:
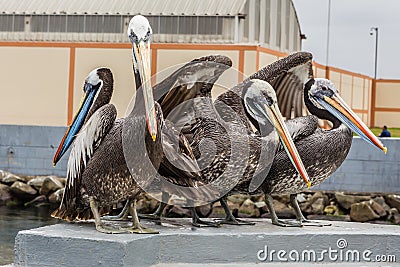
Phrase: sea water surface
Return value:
(16, 219)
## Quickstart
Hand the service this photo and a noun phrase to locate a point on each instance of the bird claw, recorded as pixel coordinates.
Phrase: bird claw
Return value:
(152, 216)
(116, 218)
(306, 222)
(201, 223)
(141, 230)
(109, 230)
(234, 221)
(287, 223)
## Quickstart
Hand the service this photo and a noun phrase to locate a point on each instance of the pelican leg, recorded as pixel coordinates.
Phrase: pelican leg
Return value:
(137, 227)
(274, 218)
(299, 215)
(99, 224)
(122, 216)
(230, 219)
(197, 222)
(157, 214)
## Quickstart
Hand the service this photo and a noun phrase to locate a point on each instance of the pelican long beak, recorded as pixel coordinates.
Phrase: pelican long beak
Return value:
(141, 58)
(79, 119)
(276, 119)
(338, 107)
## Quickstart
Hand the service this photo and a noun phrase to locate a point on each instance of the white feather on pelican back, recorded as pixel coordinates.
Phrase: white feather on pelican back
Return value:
(91, 134)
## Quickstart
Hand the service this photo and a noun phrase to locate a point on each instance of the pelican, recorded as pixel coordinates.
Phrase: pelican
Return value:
(98, 175)
(216, 165)
(322, 151)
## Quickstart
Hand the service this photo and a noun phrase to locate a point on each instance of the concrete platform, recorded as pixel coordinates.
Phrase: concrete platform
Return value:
(179, 244)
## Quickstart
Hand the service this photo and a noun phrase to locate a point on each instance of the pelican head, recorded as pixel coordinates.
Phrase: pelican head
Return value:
(139, 33)
(324, 95)
(261, 103)
(93, 85)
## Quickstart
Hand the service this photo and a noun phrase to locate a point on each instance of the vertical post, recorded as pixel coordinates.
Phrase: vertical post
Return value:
(263, 10)
(327, 38)
(376, 50)
(236, 37)
(373, 93)
(251, 18)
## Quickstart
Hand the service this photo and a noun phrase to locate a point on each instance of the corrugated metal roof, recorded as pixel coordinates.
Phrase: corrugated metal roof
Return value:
(124, 7)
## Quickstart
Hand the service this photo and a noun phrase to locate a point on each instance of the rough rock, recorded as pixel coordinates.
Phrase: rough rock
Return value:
(301, 198)
(282, 210)
(218, 211)
(393, 201)
(394, 216)
(260, 204)
(63, 180)
(381, 201)
(50, 184)
(362, 212)
(23, 191)
(178, 212)
(37, 182)
(319, 195)
(5, 194)
(3, 174)
(318, 206)
(238, 199)
(377, 208)
(143, 206)
(233, 206)
(37, 201)
(345, 201)
(285, 199)
(205, 210)
(56, 196)
(249, 209)
(331, 209)
(10, 178)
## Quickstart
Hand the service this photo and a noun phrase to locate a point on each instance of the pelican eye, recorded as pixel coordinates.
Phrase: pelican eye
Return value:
(133, 37)
(147, 36)
(270, 100)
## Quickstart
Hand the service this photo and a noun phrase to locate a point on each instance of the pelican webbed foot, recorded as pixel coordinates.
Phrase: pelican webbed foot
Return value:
(274, 218)
(137, 227)
(230, 219)
(300, 217)
(100, 226)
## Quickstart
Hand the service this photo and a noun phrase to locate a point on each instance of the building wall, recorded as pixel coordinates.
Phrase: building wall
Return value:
(29, 150)
(386, 107)
(354, 88)
(44, 81)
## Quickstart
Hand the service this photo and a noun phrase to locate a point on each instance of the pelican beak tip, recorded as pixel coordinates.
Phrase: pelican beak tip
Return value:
(308, 184)
(153, 136)
(385, 149)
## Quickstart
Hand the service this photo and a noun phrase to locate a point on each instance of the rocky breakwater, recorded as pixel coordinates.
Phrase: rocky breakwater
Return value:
(36, 191)
(18, 190)
(334, 206)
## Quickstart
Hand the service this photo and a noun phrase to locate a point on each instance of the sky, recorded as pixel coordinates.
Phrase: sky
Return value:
(351, 47)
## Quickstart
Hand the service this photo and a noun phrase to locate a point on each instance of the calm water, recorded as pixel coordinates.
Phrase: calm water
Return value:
(13, 220)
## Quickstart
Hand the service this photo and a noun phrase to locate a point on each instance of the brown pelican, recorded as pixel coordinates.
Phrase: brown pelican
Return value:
(98, 174)
(216, 165)
(322, 151)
